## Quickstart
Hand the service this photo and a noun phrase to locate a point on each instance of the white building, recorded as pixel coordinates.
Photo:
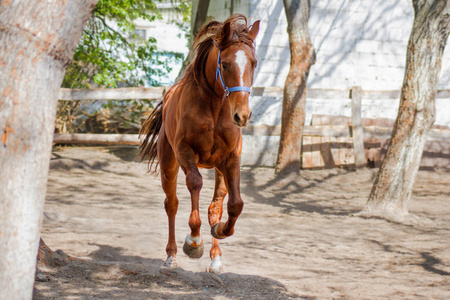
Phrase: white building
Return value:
(169, 37)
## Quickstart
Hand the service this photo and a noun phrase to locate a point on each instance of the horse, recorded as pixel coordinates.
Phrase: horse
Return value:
(198, 125)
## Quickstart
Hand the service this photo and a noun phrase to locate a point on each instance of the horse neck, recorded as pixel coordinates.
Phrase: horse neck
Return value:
(210, 73)
(216, 100)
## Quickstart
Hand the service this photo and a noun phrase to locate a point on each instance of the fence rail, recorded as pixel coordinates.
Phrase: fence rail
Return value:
(157, 92)
(97, 139)
(355, 131)
(112, 94)
(370, 132)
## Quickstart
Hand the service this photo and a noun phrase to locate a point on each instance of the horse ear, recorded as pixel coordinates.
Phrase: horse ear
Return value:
(226, 32)
(254, 30)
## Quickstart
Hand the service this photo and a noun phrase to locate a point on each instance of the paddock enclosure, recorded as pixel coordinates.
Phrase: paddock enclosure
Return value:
(343, 127)
(297, 238)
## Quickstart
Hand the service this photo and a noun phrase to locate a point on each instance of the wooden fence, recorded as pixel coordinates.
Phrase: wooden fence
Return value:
(353, 132)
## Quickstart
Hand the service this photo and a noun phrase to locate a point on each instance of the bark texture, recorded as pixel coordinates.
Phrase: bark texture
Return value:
(199, 21)
(395, 179)
(294, 96)
(37, 41)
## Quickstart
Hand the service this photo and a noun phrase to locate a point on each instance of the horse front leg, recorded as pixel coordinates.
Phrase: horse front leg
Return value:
(214, 216)
(193, 245)
(232, 176)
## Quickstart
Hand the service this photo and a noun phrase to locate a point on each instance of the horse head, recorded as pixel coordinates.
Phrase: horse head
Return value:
(236, 62)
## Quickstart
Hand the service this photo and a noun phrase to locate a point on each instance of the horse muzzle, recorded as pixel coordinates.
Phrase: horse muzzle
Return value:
(241, 119)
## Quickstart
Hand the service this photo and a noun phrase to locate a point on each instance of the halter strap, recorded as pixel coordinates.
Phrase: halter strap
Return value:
(225, 88)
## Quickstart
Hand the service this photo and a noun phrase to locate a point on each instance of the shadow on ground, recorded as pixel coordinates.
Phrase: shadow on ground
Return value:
(125, 153)
(277, 190)
(113, 275)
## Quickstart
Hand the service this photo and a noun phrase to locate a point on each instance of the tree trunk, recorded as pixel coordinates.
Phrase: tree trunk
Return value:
(294, 97)
(395, 179)
(200, 20)
(37, 41)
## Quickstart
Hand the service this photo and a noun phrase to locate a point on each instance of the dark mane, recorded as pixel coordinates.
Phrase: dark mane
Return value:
(212, 35)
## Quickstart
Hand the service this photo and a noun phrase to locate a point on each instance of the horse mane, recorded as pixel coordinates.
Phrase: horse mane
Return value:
(211, 35)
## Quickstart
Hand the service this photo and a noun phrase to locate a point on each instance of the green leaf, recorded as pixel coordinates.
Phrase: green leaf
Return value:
(111, 54)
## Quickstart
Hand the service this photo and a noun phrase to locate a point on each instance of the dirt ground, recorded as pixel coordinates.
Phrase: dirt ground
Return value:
(297, 238)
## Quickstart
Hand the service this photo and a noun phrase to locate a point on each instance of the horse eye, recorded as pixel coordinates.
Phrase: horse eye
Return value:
(224, 66)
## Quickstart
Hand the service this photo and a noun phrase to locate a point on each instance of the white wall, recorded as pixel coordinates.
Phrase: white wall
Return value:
(221, 10)
(357, 42)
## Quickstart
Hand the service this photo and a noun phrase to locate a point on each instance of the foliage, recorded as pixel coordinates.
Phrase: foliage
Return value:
(185, 10)
(112, 54)
(111, 116)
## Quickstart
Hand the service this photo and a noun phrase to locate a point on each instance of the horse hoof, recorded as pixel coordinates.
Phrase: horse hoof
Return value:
(193, 247)
(170, 262)
(214, 232)
(216, 266)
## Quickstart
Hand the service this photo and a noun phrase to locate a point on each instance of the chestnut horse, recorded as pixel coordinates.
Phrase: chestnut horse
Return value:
(198, 125)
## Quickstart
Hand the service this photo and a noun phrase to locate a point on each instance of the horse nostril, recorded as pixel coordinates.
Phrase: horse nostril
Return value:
(250, 115)
(237, 119)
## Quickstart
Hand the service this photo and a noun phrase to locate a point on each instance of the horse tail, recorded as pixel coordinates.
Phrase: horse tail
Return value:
(150, 129)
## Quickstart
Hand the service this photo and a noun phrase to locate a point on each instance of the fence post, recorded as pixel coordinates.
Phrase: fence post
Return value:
(357, 130)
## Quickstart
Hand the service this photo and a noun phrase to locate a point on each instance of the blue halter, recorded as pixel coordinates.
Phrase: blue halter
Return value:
(225, 88)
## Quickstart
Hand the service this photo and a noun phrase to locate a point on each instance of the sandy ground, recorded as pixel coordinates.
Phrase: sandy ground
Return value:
(296, 239)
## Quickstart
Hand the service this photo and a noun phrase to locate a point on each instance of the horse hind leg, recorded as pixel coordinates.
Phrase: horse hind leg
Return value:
(216, 258)
(169, 172)
(215, 212)
(171, 207)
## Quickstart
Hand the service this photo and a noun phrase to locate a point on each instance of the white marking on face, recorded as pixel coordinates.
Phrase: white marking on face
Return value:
(241, 61)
